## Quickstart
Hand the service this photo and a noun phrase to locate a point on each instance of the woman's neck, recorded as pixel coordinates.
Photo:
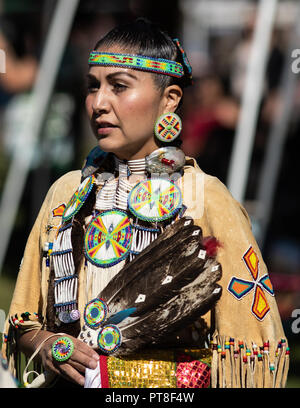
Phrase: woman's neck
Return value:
(138, 154)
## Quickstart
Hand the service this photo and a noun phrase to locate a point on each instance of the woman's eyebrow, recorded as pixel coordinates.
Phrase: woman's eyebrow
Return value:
(113, 74)
(91, 76)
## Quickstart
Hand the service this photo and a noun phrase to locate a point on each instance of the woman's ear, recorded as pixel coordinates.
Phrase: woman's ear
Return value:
(172, 97)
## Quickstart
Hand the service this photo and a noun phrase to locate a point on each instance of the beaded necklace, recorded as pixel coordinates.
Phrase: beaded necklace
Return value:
(113, 234)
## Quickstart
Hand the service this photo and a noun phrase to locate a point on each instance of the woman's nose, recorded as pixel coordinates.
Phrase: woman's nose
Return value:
(101, 101)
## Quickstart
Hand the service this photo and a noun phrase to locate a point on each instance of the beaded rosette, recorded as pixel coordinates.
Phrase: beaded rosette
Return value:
(109, 338)
(95, 313)
(78, 198)
(62, 349)
(155, 200)
(97, 332)
(108, 238)
(168, 127)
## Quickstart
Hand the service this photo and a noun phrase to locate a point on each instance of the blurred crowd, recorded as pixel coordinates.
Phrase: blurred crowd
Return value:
(210, 116)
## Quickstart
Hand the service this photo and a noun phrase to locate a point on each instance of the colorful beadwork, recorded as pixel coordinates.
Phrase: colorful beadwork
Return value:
(251, 260)
(78, 198)
(108, 238)
(266, 283)
(184, 57)
(157, 65)
(59, 210)
(155, 199)
(48, 248)
(168, 127)
(95, 312)
(240, 287)
(109, 338)
(62, 349)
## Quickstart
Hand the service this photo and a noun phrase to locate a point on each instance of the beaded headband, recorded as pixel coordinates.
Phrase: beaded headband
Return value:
(156, 65)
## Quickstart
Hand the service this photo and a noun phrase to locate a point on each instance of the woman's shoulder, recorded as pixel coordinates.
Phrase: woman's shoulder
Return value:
(65, 186)
(68, 180)
(217, 195)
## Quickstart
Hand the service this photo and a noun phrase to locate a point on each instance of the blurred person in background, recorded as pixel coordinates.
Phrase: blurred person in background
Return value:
(20, 71)
(21, 65)
(209, 126)
(122, 268)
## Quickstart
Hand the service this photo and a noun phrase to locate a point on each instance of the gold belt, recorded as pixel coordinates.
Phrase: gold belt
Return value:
(177, 368)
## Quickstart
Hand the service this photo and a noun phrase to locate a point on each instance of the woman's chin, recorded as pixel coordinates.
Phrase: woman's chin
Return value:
(108, 146)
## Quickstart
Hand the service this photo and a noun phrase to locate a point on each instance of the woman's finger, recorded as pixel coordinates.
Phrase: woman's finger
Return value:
(79, 358)
(85, 349)
(56, 368)
(70, 373)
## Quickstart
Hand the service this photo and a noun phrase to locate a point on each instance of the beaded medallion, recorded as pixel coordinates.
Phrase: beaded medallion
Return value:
(109, 338)
(78, 198)
(95, 312)
(62, 349)
(108, 238)
(168, 127)
(155, 199)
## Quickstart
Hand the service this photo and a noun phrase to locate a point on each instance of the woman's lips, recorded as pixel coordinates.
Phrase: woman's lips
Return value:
(105, 128)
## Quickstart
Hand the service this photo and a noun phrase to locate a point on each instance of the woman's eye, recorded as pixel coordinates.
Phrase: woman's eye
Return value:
(92, 88)
(119, 87)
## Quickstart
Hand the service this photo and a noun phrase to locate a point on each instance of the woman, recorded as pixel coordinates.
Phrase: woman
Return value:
(135, 83)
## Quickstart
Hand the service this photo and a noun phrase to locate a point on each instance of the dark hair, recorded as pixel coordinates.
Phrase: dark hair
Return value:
(146, 38)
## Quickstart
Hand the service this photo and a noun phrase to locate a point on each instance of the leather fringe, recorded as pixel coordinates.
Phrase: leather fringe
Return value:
(244, 364)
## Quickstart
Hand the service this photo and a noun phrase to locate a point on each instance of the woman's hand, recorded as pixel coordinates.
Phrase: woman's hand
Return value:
(72, 369)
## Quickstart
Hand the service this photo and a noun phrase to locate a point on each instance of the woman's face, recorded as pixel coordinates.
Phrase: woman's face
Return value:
(123, 105)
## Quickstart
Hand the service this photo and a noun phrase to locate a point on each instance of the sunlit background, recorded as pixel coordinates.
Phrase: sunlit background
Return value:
(241, 118)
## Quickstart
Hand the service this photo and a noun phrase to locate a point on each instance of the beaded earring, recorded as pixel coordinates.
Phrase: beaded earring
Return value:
(168, 127)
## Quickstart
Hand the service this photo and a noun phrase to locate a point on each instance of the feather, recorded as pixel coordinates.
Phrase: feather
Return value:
(194, 300)
(156, 274)
(120, 316)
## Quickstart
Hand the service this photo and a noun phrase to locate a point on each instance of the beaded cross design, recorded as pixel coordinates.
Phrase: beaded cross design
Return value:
(240, 287)
(168, 127)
